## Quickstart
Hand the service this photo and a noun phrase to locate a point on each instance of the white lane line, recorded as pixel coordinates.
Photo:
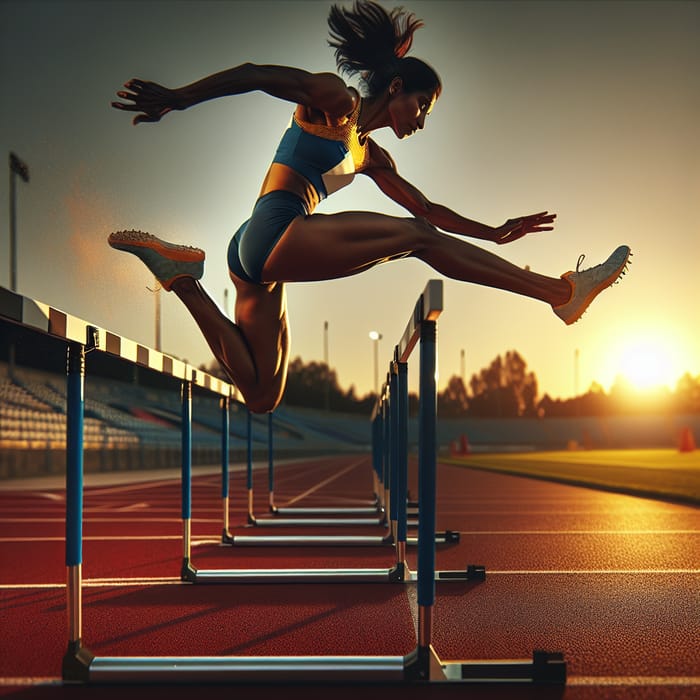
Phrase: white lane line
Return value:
(580, 532)
(111, 508)
(160, 580)
(325, 482)
(98, 583)
(563, 572)
(94, 538)
(203, 539)
(109, 520)
(125, 488)
(31, 680)
(633, 680)
(640, 681)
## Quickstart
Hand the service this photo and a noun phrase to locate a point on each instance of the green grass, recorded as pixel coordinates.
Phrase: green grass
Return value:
(663, 474)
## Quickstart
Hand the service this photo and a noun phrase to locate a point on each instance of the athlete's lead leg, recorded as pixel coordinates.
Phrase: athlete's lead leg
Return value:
(327, 246)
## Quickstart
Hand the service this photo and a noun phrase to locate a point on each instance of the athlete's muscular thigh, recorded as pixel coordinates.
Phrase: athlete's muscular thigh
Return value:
(326, 246)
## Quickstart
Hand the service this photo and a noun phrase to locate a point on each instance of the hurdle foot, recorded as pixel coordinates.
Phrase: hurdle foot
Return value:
(76, 663)
(446, 537)
(449, 536)
(546, 668)
(476, 572)
(188, 573)
(226, 537)
(398, 573)
(471, 573)
(423, 664)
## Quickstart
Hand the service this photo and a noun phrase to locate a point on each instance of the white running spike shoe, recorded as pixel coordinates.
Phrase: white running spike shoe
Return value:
(587, 284)
(167, 261)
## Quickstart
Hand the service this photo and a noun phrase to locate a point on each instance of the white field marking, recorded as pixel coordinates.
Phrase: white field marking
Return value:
(160, 580)
(109, 508)
(579, 532)
(514, 512)
(110, 520)
(30, 586)
(124, 488)
(633, 680)
(93, 538)
(323, 483)
(198, 541)
(52, 496)
(98, 583)
(562, 572)
(686, 681)
(31, 680)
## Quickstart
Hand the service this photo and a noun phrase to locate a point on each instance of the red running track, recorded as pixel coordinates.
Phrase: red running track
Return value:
(612, 581)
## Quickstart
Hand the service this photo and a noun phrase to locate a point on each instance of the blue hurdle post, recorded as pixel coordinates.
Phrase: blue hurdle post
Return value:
(402, 457)
(225, 403)
(186, 480)
(377, 449)
(427, 463)
(394, 450)
(249, 467)
(77, 659)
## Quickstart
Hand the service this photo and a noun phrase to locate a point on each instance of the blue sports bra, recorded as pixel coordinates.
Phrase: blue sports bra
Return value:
(315, 160)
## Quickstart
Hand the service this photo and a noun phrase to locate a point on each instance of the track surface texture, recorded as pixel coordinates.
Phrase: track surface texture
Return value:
(610, 580)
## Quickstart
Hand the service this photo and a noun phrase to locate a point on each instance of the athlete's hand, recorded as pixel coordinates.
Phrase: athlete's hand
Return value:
(513, 229)
(153, 101)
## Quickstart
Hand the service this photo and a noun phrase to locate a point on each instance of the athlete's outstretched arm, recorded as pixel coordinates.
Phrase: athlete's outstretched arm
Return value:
(383, 172)
(323, 91)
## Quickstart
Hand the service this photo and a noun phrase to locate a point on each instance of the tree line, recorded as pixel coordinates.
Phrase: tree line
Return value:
(504, 389)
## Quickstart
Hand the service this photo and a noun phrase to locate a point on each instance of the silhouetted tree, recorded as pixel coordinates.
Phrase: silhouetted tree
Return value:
(504, 389)
(687, 396)
(453, 401)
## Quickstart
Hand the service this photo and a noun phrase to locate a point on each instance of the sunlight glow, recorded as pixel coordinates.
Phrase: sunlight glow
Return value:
(649, 363)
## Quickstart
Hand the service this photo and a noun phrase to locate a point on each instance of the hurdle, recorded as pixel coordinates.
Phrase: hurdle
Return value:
(381, 466)
(277, 540)
(372, 508)
(389, 462)
(378, 519)
(390, 457)
(80, 665)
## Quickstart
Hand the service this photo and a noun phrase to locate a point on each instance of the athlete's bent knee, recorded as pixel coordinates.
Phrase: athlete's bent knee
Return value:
(424, 232)
(263, 402)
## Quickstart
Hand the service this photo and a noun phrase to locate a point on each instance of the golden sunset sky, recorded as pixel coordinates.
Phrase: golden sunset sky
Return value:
(590, 110)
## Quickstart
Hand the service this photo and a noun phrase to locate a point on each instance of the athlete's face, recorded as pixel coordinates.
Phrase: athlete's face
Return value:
(408, 110)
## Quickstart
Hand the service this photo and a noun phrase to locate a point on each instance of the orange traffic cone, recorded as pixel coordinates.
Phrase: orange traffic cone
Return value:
(687, 441)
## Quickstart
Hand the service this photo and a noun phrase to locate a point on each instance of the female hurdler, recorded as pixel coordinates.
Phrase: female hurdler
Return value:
(326, 143)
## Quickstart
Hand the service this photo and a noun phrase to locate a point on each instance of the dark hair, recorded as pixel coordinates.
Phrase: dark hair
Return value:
(373, 42)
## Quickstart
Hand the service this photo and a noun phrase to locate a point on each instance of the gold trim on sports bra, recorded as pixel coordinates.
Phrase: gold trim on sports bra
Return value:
(345, 132)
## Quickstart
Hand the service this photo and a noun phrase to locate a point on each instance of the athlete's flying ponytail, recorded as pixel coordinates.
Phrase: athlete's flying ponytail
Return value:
(373, 43)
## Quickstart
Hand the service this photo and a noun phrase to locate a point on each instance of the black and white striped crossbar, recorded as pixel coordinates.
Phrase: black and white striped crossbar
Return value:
(428, 308)
(46, 319)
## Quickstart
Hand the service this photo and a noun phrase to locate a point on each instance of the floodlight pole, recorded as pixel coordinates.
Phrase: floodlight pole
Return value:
(375, 337)
(327, 387)
(17, 167)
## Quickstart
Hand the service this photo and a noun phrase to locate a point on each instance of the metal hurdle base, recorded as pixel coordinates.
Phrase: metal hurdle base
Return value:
(545, 668)
(307, 540)
(422, 665)
(398, 573)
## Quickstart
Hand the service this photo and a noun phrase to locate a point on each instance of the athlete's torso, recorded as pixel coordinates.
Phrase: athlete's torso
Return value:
(315, 160)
